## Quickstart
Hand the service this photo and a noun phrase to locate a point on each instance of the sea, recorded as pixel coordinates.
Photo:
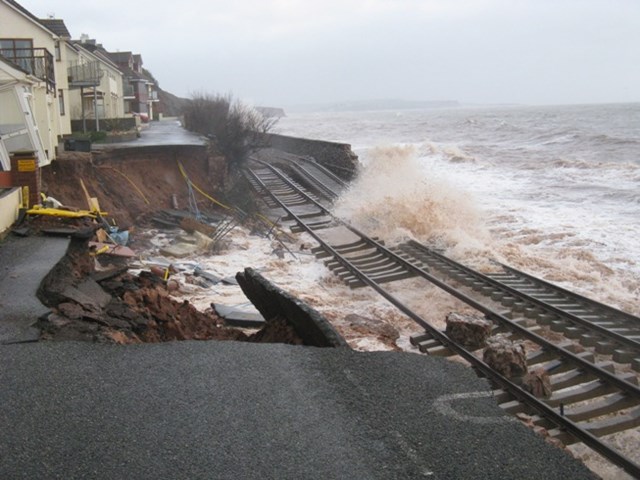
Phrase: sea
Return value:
(550, 190)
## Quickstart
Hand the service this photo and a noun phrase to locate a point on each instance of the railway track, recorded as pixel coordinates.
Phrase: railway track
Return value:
(592, 396)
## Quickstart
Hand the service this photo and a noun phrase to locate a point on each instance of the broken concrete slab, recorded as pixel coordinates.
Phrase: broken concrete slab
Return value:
(199, 272)
(239, 317)
(273, 302)
(179, 250)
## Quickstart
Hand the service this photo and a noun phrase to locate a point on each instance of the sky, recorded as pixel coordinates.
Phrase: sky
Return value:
(294, 52)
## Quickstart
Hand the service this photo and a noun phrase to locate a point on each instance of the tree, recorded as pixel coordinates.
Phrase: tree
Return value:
(235, 128)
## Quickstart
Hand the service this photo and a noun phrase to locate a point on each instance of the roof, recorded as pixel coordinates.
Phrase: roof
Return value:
(27, 13)
(57, 26)
(97, 51)
(120, 57)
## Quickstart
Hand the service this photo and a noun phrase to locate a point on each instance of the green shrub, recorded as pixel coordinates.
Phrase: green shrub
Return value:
(97, 137)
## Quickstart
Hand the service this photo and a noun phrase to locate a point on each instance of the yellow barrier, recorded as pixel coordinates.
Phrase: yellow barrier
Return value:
(184, 174)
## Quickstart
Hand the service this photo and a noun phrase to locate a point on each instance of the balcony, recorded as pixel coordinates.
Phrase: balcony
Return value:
(36, 61)
(84, 75)
(129, 92)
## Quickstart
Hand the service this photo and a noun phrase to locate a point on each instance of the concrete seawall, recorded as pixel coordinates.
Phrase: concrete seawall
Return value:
(337, 157)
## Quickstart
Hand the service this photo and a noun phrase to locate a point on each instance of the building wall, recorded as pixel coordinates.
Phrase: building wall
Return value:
(62, 87)
(10, 201)
(111, 85)
(45, 104)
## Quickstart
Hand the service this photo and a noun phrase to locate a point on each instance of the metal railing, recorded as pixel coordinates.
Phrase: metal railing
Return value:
(36, 61)
(84, 74)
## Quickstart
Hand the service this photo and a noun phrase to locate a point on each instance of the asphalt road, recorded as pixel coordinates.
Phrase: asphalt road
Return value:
(165, 132)
(228, 410)
(24, 262)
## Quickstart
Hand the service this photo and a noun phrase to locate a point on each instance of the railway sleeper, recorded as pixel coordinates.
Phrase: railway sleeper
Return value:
(439, 351)
(426, 344)
(347, 248)
(501, 395)
(576, 333)
(585, 391)
(416, 338)
(382, 269)
(605, 347)
(313, 226)
(542, 355)
(570, 378)
(357, 283)
(558, 366)
(370, 254)
(392, 277)
(614, 424)
(546, 318)
(603, 406)
(622, 355)
(514, 407)
(374, 264)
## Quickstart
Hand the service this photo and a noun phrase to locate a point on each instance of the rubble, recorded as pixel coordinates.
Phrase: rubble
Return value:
(506, 357)
(538, 383)
(469, 330)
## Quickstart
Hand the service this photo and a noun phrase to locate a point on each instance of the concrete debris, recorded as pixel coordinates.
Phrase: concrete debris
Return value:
(243, 317)
(179, 250)
(214, 279)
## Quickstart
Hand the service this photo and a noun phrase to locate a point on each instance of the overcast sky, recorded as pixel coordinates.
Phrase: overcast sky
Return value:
(288, 52)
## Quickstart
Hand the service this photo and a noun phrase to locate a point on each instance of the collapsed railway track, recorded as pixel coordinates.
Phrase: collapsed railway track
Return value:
(593, 370)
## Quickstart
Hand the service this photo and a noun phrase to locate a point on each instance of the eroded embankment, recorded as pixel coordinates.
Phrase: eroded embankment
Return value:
(131, 182)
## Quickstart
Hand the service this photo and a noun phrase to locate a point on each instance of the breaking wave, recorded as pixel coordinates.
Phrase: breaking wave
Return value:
(396, 198)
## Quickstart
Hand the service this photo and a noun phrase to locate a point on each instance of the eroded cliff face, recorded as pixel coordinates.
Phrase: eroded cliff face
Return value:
(337, 157)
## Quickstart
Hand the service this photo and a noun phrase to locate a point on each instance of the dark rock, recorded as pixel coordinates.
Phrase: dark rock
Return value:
(468, 330)
(506, 357)
(74, 294)
(538, 383)
(94, 291)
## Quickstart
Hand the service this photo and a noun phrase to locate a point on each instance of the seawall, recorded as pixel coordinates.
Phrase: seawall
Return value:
(337, 157)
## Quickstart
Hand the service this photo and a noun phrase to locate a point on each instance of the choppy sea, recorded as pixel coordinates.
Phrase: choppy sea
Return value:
(551, 190)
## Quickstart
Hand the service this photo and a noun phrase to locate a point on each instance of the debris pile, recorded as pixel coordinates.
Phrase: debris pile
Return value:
(116, 307)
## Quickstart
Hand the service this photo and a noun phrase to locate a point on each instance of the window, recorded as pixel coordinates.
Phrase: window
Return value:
(19, 51)
(61, 101)
(57, 51)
